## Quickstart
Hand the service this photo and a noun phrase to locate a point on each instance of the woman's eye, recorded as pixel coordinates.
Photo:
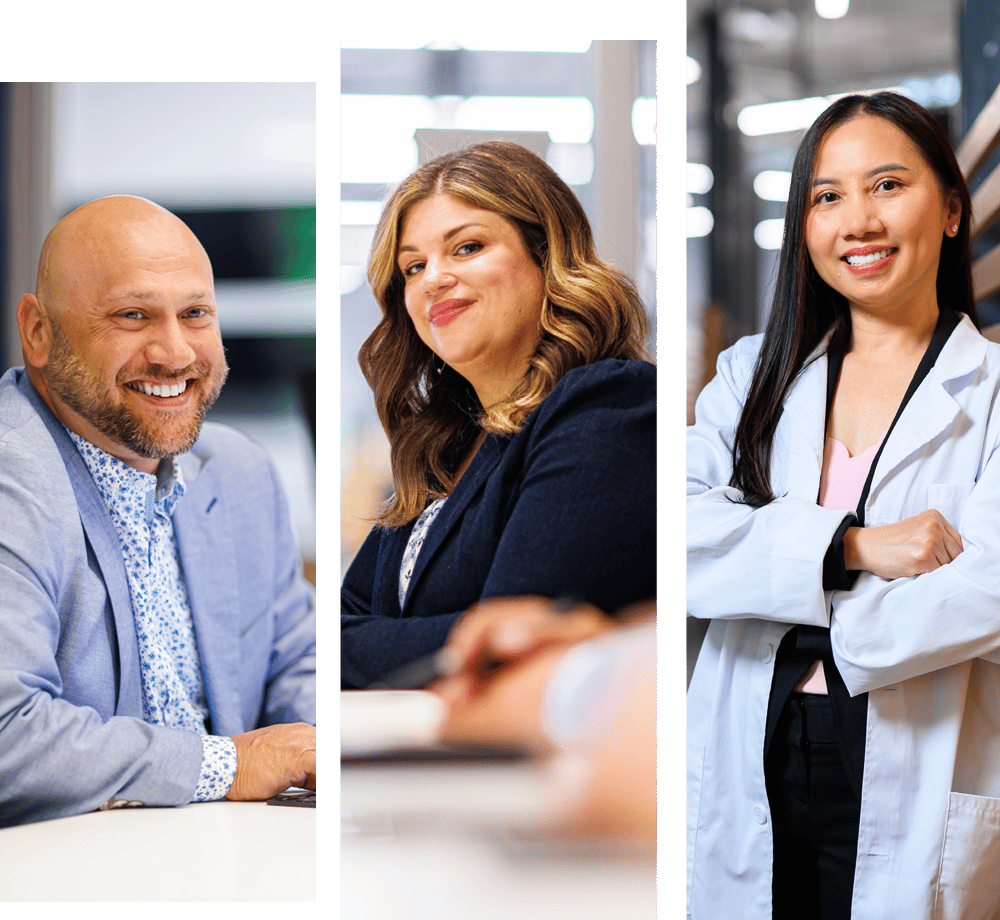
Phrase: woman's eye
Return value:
(412, 269)
(467, 249)
(888, 185)
(826, 197)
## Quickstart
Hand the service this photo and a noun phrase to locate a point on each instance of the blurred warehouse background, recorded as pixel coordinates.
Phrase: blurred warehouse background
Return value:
(588, 107)
(759, 72)
(237, 162)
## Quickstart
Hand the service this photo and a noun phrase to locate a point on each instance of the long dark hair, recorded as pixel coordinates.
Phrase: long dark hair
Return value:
(804, 307)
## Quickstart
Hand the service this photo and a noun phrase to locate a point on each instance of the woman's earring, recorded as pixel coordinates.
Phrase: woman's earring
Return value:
(954, 228)
(440, 369)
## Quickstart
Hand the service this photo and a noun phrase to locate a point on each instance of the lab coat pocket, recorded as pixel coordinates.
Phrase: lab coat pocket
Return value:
(970, 860)
(949, 498)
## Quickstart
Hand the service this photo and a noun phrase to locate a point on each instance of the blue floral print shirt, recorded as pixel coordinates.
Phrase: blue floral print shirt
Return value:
(141, 507)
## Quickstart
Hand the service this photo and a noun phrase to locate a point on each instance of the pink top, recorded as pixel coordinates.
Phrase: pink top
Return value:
(840, 487)
(843, 475)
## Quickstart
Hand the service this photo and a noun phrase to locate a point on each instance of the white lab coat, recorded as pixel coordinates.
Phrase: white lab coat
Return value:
(925, 648)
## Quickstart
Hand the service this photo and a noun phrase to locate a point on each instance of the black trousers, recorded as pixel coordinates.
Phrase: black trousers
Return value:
(814, 811)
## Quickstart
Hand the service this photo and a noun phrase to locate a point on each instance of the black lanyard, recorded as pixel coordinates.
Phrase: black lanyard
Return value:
(947, 321)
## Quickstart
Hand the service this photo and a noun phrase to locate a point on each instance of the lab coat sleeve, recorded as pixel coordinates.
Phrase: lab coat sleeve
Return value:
(885, 631)
(743, 561)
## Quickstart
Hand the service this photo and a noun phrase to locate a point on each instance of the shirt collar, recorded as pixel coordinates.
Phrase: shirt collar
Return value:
(120, 483)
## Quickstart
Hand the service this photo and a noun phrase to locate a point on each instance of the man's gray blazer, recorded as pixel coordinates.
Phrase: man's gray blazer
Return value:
(71, 729)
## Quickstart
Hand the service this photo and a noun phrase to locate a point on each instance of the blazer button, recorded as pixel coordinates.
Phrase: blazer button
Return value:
(759, 815)
(766, 652)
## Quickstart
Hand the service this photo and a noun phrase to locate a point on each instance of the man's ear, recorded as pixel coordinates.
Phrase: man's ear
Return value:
(35, 330)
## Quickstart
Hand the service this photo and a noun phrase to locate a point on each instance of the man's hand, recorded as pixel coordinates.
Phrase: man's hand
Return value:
(269, 760)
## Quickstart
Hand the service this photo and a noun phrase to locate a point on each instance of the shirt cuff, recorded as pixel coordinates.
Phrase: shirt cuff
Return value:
(590, 683)
(575, 691)
(218, 768)
(835, 574)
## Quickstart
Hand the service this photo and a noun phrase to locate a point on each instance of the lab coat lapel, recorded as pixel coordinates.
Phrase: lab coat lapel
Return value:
(798, 456)
(932, 409)
(205, 540)
(103, 539)
(472, 480)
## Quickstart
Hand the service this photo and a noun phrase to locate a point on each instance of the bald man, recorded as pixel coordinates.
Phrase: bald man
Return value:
(157, 638)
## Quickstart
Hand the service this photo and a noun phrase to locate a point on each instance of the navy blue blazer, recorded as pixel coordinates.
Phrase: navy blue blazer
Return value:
(567, 506)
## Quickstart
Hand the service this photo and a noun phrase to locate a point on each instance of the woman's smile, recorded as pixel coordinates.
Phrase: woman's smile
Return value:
(869, 260)
(445, 311)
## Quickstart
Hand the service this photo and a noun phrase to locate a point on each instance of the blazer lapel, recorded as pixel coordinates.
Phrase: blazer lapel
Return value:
(205, 540)
(107, 550)
(472, 480)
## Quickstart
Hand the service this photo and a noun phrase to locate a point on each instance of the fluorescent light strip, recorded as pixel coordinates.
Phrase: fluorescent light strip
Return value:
(768, 233)
(425, 42)
(567, 119)
(832, 9)
(779, 117)
(693, 71)
(699, 179)
(351, 278)
(798, 114)
(772, 184)
(699, 222)
(644, 121)
(360, 213)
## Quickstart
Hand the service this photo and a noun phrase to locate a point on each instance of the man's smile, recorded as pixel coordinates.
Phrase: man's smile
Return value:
(162, 390)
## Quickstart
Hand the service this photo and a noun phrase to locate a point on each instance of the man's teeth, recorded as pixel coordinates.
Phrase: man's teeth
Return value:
(868, 259)
(172, 390)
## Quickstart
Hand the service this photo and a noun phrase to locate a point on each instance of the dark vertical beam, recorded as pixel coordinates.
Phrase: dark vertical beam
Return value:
(979, 66)
(732, 259)
(5, 305)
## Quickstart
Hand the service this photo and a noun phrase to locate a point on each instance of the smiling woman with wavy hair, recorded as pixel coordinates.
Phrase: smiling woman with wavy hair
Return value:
(590, 311)
(494, 301)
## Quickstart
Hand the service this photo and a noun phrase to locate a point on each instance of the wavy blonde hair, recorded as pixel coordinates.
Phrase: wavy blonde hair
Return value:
(590, 311)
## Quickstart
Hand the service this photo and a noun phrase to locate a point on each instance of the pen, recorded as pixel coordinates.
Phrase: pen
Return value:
(423, 671)
(420, 672)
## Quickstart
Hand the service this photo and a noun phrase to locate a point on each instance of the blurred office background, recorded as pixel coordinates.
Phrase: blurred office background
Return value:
(588, 107)
(759, 72)
(237, 162)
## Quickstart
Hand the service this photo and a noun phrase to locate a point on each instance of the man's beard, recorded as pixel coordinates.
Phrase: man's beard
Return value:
(87, 394)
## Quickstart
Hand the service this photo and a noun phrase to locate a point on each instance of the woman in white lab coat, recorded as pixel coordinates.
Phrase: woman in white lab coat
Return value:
(865, 657)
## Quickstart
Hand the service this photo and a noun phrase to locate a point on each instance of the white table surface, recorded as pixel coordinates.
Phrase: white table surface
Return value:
(212, 851)
(428, 842)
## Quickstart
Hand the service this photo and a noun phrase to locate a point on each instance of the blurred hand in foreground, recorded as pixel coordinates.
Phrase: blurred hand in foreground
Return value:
(574, 683)
(503, 652)
(502, 630)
